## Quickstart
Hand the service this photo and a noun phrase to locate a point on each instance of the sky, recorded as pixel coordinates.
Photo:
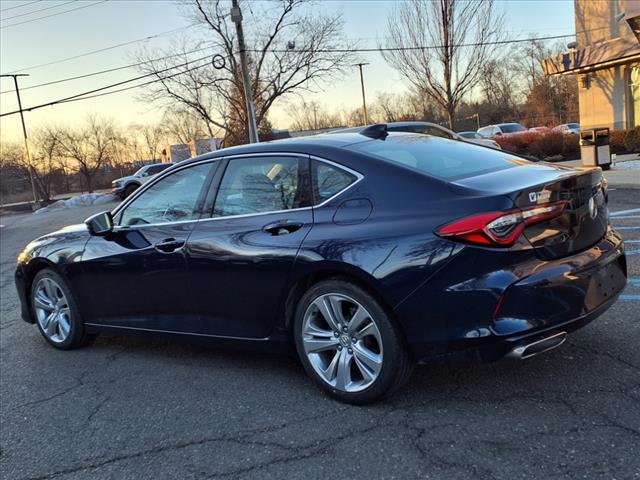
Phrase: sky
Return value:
(75, 27)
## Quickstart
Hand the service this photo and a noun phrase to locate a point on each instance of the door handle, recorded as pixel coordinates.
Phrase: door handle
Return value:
(169, 245)
(282, 227)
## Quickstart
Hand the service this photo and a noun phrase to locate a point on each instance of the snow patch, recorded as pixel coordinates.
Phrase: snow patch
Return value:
(627, 165)
(79, 201)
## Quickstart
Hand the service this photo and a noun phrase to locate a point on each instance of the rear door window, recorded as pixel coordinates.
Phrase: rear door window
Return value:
(329, 180)
(261, 185)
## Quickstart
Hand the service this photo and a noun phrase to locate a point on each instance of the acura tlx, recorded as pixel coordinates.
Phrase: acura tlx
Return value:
(365, 252)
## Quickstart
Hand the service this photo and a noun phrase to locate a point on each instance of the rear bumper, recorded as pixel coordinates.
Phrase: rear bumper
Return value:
(479, 313)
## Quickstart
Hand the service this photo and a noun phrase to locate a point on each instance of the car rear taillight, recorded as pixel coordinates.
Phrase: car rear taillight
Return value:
(499, 229)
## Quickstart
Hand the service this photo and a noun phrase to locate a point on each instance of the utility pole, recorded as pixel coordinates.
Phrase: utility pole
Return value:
(236, 17)
(24, 132)
(364, 102)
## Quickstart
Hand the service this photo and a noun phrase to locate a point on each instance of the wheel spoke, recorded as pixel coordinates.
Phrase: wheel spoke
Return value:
(370, 329)
(315, 345)
(50, 289)
(63, 325)
(330, 372)
(316, 331)
(357, 320)
(52, 323)
(367, 358)
(40, 300)
(343, 375)
(326, 309)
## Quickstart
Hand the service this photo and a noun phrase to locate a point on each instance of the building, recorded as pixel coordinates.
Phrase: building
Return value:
(606, 59)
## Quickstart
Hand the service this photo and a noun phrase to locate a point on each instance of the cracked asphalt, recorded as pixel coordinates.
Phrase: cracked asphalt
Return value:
(139, 408)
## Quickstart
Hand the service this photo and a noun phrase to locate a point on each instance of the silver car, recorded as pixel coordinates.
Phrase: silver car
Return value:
(125, 186)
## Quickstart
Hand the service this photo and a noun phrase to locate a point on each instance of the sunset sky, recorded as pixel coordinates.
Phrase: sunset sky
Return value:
(101, 24)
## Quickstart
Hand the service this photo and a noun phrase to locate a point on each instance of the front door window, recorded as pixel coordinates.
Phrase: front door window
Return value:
(172, 199)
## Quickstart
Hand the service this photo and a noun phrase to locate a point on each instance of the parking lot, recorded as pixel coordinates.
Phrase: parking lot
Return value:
(136, 408)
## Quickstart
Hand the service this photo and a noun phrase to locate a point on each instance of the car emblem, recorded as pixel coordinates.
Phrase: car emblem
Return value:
(593, 208)
(345, 340)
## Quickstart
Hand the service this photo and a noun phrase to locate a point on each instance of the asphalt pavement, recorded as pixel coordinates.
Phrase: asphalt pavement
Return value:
(140, 408)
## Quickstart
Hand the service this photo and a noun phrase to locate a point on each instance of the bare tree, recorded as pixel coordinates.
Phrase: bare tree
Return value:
(311, 115)
(90, 147)
(290, 49)
(181, 125)
(47, 154)
(455, 37)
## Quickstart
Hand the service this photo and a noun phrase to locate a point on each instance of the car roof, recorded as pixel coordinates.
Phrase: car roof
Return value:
(312, 144)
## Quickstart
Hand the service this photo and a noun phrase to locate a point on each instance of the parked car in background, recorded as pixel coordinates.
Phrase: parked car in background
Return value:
(568, 128)
(540, 129)
(365, 252)
(125, 186)
(428, 128)
(475, 137)
(501, 129)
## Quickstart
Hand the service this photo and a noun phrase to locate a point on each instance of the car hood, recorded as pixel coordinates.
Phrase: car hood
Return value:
(125, 179)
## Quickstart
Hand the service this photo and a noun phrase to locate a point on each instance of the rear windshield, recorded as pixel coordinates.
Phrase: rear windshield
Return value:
(439, 157)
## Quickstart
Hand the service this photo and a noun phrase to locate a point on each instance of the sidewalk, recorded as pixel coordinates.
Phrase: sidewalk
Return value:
(624, 172)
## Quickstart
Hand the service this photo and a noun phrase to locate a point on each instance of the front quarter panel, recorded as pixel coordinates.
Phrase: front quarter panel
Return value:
(61, 251)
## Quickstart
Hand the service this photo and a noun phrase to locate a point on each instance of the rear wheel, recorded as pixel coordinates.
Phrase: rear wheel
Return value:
(56, 312)
(348, 344)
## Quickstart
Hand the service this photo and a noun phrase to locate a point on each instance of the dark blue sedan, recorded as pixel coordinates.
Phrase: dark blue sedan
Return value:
(367, 251)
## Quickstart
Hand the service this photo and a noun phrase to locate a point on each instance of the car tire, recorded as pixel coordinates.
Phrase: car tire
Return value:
(375, 365)
(606, 166)
(129, 189)
(56, 311)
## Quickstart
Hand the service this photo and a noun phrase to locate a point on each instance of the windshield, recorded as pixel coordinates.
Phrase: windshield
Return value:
(470, 135)
(438, 157)
(512, 128)
(141, 171)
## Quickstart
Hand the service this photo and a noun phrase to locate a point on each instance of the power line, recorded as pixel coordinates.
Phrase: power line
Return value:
(135, 86)
(95, 90)
(112, 47)
(423, 47)
(4, 19)
(53, 14)
(109, 70)
(19, 6)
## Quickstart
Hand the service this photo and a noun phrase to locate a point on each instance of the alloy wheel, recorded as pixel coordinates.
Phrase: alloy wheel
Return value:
(52, 310)
(342, 342)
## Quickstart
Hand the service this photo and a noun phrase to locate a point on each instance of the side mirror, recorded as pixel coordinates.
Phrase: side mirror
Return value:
(498, 133)
(100, 224)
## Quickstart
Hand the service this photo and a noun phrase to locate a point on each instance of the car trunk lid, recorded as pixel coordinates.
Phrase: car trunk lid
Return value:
(584, 219)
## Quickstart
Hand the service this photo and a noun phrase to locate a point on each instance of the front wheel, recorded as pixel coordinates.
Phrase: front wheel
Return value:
(56, 312)
(348, 343)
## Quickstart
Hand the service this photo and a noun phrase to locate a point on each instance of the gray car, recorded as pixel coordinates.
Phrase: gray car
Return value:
(428, 128)
(125, 186)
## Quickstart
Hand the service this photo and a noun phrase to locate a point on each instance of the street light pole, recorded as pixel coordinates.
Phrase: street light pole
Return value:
(236, 17)
(364, 102)
(24, 131)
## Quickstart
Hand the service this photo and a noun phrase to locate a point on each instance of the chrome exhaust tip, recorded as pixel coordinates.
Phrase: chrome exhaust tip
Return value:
(528, 350)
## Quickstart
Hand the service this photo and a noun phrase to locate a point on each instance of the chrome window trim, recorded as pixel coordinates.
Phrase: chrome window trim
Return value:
(358, 175)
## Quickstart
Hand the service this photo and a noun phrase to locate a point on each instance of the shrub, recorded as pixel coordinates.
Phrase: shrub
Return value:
(571, 146)
(616, 141)
(631, 140)
(547, 145)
